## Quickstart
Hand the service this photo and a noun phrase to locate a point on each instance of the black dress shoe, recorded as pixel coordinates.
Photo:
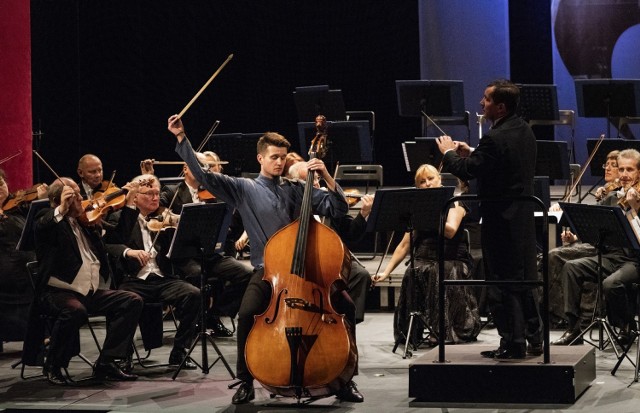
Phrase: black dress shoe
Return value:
(54, 375)
(218, 329)
(350, 393)
(126, 365)
(534, 349)
(244, 394)
(491, 353)
(569, 337)
(176, 357)
(110, 370)
(512, 353)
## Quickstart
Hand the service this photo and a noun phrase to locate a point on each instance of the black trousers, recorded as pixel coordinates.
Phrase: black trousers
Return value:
(256, 300)
(121, 308)
(183, 295)
(358, 285)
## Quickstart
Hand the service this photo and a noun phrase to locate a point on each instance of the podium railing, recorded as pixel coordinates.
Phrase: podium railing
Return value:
(443, 283)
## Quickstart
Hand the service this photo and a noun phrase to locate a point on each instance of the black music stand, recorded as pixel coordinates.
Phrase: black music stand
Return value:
(197, 234)
(599, 226)
(423, 150)
(407, 210)
(538, 102)
(431, 97)
(239, 149)
(312, 101)
(608, 98)
(348, 142)
(27, 240)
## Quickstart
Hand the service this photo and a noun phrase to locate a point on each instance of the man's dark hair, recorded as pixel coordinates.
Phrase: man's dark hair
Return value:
(507, 93)
(272, 139)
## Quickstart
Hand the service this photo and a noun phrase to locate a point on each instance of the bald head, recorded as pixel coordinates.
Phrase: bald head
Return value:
(90, 170)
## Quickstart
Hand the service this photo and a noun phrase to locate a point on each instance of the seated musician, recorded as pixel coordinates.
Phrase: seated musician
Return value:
(572, 249)
(619, 269)
(73, 266)
(349, 229)
(266, 204)
(16, 293)
(420, 293)
(148, 270)
(91, 175)
(226, 269)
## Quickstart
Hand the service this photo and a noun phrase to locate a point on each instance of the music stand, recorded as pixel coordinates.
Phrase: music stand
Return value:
(312, 101)
(239, 149)
(197, 233)
(433, 97)
(348, 142)
(538, 102)
(421, 151)
(608, 98)
(599, 226)
(407, 210)
(27, 240)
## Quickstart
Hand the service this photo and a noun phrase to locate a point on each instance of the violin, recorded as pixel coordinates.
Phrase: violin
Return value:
(162, 220)
(603, 191)
(205, 195)
(622, 202)
(21, 197)
(103, 203)
(353, 196)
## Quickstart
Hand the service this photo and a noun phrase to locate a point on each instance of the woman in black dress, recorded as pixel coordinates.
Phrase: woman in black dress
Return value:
(420, 292)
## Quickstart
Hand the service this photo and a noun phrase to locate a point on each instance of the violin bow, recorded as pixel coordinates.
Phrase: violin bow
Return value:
(8, 158)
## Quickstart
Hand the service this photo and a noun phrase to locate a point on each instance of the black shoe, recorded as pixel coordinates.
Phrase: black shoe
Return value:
(568, 338)
(176, 357)
(126, 364)
(54, 375)
(244, 394)
(490, 354)
(218, 329)
(625, 337)
(534, 349)
(516, 351)
(111, 371)
(350, 393)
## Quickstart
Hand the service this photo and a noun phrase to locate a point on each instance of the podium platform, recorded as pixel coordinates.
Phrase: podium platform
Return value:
(467, 377)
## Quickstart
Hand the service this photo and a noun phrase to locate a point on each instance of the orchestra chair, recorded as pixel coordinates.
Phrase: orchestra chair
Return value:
(39, 329)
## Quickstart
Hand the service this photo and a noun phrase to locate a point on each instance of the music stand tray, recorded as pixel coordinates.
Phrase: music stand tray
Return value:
(197, 234)
(538, 102)
(406, 210)
(319, 100)
(600, 225)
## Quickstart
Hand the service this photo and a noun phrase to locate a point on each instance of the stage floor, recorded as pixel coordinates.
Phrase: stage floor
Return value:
(383, 379)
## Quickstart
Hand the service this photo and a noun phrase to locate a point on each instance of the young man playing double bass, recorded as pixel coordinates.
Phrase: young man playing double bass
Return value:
(266, 205)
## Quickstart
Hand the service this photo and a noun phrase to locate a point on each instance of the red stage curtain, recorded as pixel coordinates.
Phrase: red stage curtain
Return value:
(15, 98)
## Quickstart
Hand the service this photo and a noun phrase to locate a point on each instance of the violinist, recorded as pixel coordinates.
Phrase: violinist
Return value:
(572, 249)
(73, 264)
(91, 176)
(619, 269)
(15, 290)
(148, 271)
(233, 275)
(266, 204)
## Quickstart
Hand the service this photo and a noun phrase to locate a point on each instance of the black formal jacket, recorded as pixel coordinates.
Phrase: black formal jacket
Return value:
(129, 235)
(504, 164)
(57, 249)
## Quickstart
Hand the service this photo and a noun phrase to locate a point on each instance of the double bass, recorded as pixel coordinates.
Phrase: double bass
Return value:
(300, 346)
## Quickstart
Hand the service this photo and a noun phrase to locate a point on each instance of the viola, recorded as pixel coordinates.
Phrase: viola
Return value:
(608, 187)
(103, 203)
(205, 195)
(622, 202)
(300, 346)
(163, 219)
(21, 197)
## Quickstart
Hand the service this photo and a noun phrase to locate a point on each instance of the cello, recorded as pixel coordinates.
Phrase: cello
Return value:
(300, 346)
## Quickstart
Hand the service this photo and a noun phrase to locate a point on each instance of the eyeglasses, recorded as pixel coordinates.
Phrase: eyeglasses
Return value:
(150, 193)
(609, 164)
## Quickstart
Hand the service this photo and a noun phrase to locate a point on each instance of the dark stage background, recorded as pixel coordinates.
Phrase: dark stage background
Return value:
(106, 75)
